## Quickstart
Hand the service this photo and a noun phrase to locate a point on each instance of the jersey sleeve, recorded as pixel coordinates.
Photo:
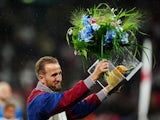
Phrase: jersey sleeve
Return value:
(86, 106)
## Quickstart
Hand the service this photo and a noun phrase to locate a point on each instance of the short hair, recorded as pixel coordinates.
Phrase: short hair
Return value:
(39, 66)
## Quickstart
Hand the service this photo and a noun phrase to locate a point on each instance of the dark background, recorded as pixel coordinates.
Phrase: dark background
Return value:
(30, 29)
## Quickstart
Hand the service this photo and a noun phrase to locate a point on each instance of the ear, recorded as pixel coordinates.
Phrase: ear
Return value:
(41, 78)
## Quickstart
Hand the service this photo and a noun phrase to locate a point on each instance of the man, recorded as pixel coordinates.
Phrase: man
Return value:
(46, 99)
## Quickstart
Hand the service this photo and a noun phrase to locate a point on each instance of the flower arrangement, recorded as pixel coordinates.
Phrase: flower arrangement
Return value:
(101, 31)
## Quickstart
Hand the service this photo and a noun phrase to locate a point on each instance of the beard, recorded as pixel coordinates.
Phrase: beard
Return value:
(56, 88)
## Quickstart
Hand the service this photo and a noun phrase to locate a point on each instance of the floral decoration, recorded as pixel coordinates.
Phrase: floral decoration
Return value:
(101, 31)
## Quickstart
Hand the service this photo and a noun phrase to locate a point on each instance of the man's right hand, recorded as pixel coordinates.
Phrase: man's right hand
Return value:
(101, 68)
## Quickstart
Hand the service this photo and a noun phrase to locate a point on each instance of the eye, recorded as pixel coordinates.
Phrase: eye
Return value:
(55, 74)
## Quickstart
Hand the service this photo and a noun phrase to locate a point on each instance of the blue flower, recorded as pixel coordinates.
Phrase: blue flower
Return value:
(124, 39)
(110, 35)
(86, 19)
(95, 27)
(86, 34)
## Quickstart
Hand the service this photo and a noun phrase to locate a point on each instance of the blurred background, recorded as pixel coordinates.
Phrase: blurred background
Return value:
(30, 29)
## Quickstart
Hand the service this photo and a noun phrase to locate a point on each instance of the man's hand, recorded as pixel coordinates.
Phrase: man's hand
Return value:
(101, 68)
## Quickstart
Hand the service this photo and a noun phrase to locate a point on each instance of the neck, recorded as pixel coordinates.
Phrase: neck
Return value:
(42, 87)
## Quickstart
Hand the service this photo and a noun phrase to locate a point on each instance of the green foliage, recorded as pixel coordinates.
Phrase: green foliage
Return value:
(113, 28)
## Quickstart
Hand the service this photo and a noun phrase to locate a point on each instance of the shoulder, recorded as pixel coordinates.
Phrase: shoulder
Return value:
(34, 94)
(42, 96)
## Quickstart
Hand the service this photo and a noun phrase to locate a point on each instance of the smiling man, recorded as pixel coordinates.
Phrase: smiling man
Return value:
(47, 99)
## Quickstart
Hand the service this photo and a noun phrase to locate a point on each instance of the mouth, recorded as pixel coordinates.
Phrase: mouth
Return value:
(56, 87)
(58, 84)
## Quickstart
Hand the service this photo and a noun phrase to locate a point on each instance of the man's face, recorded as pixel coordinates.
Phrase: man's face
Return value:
(52, 77)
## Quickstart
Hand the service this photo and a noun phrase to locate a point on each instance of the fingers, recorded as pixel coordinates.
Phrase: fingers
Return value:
(101, 68)
(103, 65)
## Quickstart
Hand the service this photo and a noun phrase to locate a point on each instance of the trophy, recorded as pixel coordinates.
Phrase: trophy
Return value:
(121, 69)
